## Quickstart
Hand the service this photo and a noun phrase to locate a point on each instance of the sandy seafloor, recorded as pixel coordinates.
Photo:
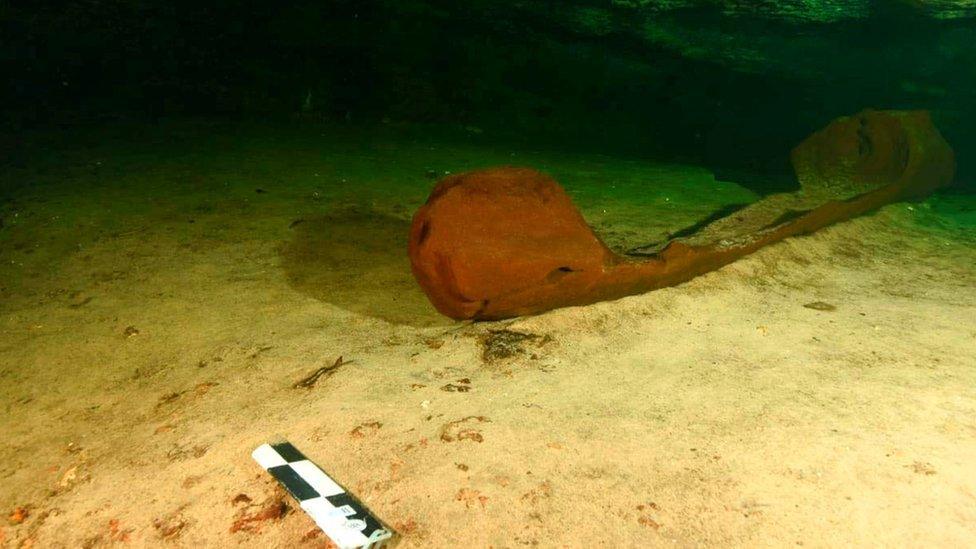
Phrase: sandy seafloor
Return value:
(161, 291)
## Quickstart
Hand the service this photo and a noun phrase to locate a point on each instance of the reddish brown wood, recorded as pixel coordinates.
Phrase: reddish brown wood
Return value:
(507, 242)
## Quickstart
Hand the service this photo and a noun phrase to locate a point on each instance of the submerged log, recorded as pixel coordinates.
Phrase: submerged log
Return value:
(507, 242)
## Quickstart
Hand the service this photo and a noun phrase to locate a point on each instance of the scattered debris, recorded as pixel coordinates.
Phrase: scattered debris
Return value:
(150, 371)
(241, 498)
(922, 468)
(463, 385)
(203, 388)
(169, 397)
(275, 508)
(407, 527)
(457, 430)
(469, 496)
(171, 526)
(749, 508)
(19, 515)
(259, 350)
(82, 303)
(309, 381)
(68, 477)
(543, 491)
(649, 522)
(184, 452)
(366, 428)
(117, 533)
(191, 481)
(198, 390)
(820, 306)
(502, 344)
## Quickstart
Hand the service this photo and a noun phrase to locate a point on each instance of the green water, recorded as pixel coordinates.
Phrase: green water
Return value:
(199, 184)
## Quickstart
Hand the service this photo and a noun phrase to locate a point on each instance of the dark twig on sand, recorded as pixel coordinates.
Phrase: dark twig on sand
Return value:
(309, 381)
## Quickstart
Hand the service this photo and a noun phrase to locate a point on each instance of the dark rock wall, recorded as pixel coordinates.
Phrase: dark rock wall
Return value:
(732, 84)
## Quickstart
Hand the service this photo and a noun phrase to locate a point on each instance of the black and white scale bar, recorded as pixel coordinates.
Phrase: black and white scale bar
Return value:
(347, 523)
